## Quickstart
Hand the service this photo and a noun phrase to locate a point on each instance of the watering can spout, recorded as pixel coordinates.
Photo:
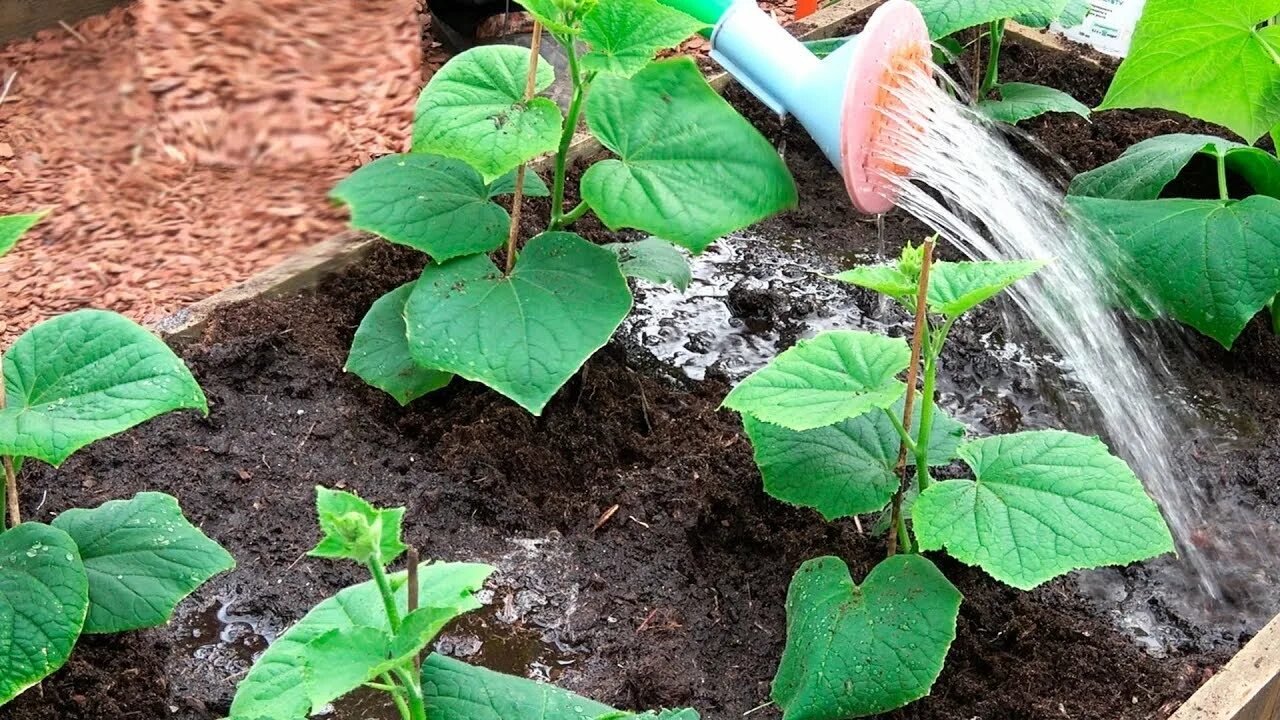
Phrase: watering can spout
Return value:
(839, 99)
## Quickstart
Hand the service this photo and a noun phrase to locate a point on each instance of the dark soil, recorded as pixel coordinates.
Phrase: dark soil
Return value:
(676, 600)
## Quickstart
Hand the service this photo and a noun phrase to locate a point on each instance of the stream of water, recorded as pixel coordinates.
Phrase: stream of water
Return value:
(967, 182)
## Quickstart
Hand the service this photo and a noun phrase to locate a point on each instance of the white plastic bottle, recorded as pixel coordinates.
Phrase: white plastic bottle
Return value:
(1108, 27)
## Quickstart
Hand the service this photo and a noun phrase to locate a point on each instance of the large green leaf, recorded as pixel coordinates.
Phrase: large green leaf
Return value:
(1023, 101)
(534, 185)
(957, 287)
(624, 35)
(1071, 16)
(455, 690)
(819, 382)
(948, 16)
(1144, 170)
(474, 110)
(143, 557)
(84, 376)
(847, 468)
(1210, 264)
(338, 512)
(380, 351)
(44, 595)
(857, 650)
(1042, 503)
(655, 260)
(431, 203)
(524, 334)
(284, 680)
(1205, 58)
(12, 227)
(689, 168)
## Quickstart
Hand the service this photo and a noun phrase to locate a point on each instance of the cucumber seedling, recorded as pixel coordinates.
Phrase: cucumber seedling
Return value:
(522, 320)
(835, 429)
(125, 565)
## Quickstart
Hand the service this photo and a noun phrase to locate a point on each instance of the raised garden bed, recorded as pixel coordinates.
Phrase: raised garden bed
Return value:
(676, 598)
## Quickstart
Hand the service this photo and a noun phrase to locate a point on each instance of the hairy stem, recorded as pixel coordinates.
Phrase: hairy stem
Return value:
(397, 694)
(530, 83)
(413, 690)
(1222, 177)
(992, 77)
(9, 498)
(559, 218)
(384, 589)
(919, 343)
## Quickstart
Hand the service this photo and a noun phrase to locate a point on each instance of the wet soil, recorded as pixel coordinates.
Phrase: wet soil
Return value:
(676, 599)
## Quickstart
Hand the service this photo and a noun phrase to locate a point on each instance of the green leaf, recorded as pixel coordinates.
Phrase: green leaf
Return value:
(431, 203)
(524, 334)
(44, 595)
(655, 260)
(352, 528)
(1071, 16)
(474, 110)
(1207, 263)
(1023, 101)
(884, 279)
(825, 46)
(142, 557)
(1144, 170)
(624, 35)
(13, 227)
(819, 382)
(283, 681)
(689, 168)
(533, 185)
(957, 287)
(945, 17)
(1209, 60)
(380, 351)
(455, 690)
(84, 376)
(551, 15)
(1043, 503)
(847, 468)
(857, 650)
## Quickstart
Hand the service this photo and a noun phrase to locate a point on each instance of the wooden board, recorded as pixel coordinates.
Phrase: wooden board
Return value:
(22, 18)
(1247, 688)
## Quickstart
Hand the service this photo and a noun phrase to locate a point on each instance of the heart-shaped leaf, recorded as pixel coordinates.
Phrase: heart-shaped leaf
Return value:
(847, 468)
(380, 351)
(523, 334)
(143, 557)
(624, 35)
(1023, 101)
(945, 17)
(1043, 503)
(1210, 60)
(689, 168)
(819, 382)
(1144, 170)
(13, 227)
(455, 690)
(474, 110)
(655, 260)
(431, 203)
(44, 595)
(534, 186)
(84, 376)
(860, 650)
(283, 680)
(1210, 264)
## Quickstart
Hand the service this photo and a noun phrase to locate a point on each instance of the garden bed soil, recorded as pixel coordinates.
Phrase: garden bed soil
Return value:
(677, 598)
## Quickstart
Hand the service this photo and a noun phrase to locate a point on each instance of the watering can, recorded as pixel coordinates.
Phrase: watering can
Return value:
(839, 98)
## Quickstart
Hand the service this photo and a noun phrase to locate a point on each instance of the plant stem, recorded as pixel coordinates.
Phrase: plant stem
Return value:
(530, 83)
(902, 432)
(1222, 177)
(559, 218)
(384, 589)
(397, 695)
(918, 345)
(926, 420)
(9, 498)
(413, 689)
(992, 77)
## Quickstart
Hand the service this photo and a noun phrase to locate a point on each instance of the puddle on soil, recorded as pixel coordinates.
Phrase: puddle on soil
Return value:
(224, 639)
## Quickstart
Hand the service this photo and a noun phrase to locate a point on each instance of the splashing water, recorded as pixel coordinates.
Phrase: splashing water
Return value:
(963, 179)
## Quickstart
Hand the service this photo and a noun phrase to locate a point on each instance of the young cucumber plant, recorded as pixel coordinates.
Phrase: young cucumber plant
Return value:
(687, 169)
(1017, 101)
(1206, 256)
(125, 565)
(372, 635)
(829, 422)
